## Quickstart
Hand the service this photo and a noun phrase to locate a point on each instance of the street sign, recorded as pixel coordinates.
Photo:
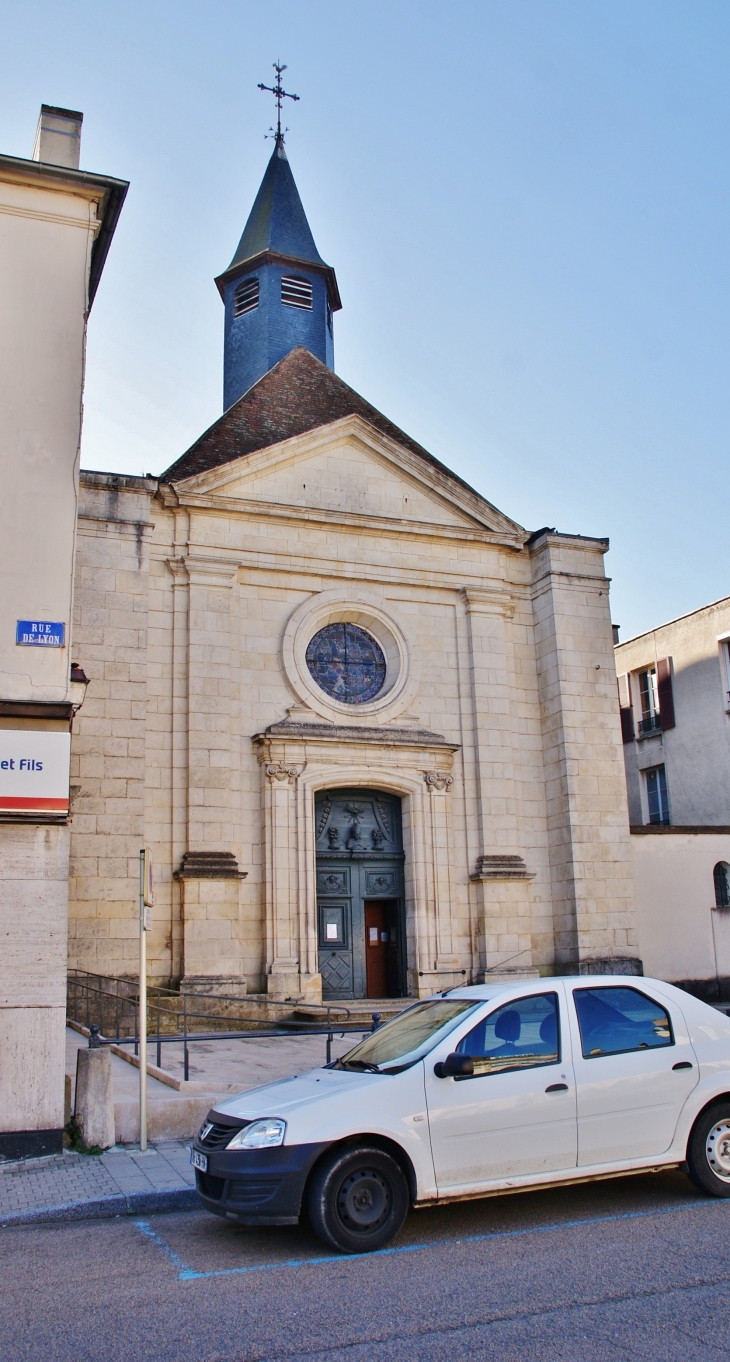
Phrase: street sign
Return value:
(40, 634)
(34, 771)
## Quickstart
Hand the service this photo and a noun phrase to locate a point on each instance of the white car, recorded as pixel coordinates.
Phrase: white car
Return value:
(475, 1092)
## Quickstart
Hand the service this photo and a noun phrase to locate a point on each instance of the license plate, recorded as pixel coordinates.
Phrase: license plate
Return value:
(199, 1161)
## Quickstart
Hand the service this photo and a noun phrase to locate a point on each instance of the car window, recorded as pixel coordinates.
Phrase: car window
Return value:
(410, 1035)
(614, 1020)
(519, 1035)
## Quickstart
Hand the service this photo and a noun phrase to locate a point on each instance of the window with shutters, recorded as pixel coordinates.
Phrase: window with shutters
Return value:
(296, 292)
(246, 296)
(657, 798)
(650, 721)
(721, 876)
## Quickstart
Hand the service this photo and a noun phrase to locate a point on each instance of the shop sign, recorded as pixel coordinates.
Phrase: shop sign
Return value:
(34, 771)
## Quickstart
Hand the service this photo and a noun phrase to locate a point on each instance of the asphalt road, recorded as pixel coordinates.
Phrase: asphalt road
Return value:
(623, 1270)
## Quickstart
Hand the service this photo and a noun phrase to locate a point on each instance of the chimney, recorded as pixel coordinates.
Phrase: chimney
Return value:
(58, 139)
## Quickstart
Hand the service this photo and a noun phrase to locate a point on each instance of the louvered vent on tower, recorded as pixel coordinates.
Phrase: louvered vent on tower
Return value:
(246, 296)
(296, 292)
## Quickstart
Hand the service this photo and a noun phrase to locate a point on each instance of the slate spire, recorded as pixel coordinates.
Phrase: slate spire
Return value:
(278, 292)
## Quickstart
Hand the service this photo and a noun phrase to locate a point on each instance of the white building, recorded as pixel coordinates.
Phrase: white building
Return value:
(674, 694)
(56, 225)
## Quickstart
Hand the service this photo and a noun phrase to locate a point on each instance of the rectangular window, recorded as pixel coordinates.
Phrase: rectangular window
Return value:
(650, 721)
(519, 1035)
(656, 795)
(613, 1021)
(296, 292)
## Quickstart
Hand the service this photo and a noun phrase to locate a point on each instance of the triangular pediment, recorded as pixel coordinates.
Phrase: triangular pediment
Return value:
(302, 437)
(349, 468)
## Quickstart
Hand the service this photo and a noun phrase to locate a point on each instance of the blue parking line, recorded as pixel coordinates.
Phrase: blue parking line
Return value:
(145, 1228)
(189, 1274)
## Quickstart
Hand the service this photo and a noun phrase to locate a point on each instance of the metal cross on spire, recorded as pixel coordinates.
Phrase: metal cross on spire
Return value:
(279, 94)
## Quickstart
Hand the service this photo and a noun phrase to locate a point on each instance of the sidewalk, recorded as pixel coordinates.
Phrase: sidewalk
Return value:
(73, 1186)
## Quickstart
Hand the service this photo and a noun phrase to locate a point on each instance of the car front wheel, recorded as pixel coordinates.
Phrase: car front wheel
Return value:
(358, 1199)
(708, 1151)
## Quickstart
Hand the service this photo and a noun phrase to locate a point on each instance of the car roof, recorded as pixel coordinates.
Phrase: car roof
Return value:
(546, 982)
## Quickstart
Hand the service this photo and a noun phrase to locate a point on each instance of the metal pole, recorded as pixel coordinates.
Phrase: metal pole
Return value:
(142, 1013)
(185, 1039)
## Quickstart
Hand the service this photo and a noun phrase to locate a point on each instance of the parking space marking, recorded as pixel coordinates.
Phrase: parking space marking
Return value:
(189, 1274)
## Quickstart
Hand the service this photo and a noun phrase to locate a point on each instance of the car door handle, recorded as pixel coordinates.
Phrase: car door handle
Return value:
(683, 1064)
(557, 1087)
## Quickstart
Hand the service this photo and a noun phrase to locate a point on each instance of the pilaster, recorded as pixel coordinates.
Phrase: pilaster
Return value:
(588, 824)
(503, 917)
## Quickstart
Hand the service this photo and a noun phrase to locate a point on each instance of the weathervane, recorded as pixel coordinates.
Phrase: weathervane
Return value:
(279, 94)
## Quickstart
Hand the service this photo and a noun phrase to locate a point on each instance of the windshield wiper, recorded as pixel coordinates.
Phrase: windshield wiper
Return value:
(361, 1064)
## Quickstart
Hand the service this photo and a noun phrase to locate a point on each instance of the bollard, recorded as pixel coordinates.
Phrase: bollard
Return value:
(376, 1020)
(94, 1112)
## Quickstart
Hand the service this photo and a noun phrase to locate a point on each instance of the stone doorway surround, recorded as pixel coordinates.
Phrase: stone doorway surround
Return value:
(298, 758)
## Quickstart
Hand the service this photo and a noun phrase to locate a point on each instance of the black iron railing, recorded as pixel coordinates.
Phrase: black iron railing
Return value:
(112, 1005)
(652, 724)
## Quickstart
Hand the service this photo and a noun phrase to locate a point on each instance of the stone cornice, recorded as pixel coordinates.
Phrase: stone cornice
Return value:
(246, 509)
(419, 738)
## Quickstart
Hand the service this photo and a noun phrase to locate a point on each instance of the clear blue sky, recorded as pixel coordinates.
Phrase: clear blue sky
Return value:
(526, 202)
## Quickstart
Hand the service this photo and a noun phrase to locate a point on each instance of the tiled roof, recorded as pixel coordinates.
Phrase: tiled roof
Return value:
(297, 395)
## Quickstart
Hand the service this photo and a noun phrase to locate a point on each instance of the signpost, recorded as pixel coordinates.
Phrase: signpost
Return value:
(146, 903)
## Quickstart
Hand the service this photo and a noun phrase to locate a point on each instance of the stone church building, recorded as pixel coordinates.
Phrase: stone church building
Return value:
(366, 722)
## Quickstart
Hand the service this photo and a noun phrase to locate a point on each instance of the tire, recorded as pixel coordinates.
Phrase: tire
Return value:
(358, 1199)
(708, 1151)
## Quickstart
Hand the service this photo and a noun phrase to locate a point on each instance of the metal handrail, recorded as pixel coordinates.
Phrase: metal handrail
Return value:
(85, 994)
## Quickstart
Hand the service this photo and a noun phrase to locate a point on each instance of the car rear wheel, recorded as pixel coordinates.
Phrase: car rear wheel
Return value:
(708, 1151)
(358, 1199)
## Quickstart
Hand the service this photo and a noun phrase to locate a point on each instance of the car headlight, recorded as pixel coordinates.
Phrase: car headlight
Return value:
(259, 1135)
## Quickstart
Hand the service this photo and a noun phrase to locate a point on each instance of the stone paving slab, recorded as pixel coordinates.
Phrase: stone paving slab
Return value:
(72, 1186)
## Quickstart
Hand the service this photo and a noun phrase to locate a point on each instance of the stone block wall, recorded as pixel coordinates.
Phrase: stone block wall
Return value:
(33, 913)
(108, 751)
(590, 851)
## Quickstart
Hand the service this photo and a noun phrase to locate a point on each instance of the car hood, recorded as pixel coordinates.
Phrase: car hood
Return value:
(288, 1095)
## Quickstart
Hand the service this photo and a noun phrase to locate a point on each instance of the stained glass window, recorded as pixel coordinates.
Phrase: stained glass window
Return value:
(346, 663)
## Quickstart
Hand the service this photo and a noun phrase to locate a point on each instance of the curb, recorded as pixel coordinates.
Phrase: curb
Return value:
(103, 1207)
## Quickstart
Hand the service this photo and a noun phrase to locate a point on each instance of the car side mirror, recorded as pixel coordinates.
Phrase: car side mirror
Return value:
(455, 1066)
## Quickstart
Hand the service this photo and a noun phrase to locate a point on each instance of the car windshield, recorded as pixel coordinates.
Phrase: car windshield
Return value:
(405, 1039)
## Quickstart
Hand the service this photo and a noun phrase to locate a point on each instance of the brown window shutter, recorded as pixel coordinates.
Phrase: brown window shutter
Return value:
(666, 696)
(627, 713)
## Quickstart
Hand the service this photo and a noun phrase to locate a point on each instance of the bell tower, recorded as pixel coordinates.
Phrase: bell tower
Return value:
(277, 291)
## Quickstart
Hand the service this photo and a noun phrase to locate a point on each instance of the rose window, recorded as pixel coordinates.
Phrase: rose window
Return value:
(347, 663)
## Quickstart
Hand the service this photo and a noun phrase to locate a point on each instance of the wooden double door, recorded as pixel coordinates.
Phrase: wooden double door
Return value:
(360, 901)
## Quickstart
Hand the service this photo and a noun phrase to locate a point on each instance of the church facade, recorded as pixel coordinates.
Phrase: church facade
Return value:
(366, 722)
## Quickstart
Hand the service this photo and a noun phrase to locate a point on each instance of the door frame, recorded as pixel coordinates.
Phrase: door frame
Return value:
(294, 766)
(354, 868)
